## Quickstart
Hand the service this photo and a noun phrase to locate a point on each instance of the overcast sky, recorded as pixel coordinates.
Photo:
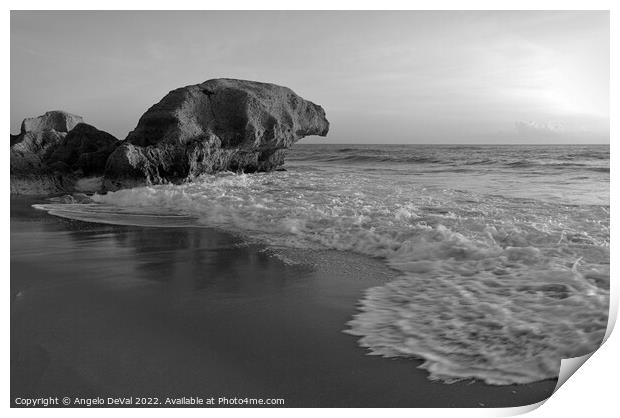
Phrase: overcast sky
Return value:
(382, 77)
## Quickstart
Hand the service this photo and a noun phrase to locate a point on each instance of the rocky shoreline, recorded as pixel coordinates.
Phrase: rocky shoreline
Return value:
(218, 125)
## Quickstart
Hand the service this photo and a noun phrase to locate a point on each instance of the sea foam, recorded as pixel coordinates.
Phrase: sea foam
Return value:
(492, 288)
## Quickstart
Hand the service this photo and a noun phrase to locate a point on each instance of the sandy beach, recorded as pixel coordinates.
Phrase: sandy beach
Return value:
(104, 310)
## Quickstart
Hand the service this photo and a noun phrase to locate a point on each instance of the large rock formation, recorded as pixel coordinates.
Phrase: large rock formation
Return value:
(221, 124)
(54, 150)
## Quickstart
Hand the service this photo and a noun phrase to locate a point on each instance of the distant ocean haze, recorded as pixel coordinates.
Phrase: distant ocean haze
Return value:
(502, 252)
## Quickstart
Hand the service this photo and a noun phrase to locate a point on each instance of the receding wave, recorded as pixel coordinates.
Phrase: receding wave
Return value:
(114, 215)
(490, 288)
(556, 166)
(379, 158)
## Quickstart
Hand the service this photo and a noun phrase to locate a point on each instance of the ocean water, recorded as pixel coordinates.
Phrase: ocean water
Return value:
(501, 252)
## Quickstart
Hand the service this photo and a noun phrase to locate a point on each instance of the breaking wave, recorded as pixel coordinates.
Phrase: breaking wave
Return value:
(490, 287)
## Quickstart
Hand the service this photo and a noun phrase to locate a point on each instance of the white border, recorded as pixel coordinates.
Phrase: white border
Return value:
(591, 392)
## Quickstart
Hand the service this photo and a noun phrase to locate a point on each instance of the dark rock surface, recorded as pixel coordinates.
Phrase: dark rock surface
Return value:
(85, 149)
(15, 139)
(221, 124)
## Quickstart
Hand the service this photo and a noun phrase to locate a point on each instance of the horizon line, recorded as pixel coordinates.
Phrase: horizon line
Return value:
(450, 143)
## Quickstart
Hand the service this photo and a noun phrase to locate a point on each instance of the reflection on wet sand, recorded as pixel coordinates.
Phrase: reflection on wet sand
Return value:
(102, 310)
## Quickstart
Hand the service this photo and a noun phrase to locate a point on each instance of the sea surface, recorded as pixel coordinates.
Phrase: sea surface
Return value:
(500, 254)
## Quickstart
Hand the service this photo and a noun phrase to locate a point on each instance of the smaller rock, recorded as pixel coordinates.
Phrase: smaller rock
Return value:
(38, 138)
(54, 151)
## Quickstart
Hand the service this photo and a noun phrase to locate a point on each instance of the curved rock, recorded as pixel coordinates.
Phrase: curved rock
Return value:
(221, 124)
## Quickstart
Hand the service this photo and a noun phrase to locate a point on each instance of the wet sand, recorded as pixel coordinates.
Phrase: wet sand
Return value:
(104, 310)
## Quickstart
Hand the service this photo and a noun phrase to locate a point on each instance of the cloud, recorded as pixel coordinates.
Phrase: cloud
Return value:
(579, 130)
(532, 128)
